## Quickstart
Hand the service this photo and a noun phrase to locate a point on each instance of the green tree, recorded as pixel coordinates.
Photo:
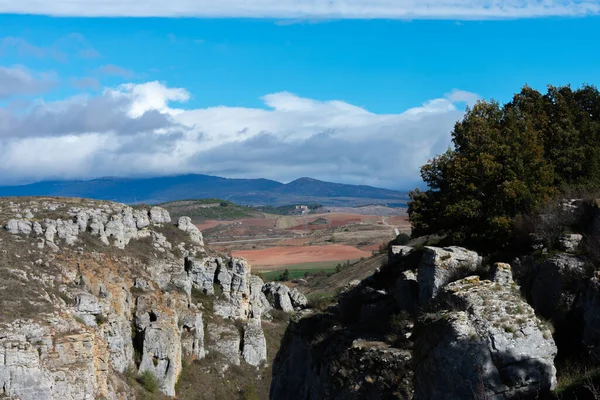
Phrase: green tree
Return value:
(507, 161)
(285, 276)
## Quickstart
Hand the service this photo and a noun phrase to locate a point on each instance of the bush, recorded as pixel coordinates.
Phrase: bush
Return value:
(401, 240)
(285, 276)
(250, 393)
(149, 381)
(101, 319)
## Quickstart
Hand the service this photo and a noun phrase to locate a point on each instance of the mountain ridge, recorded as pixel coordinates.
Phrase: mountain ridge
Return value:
(258, 191)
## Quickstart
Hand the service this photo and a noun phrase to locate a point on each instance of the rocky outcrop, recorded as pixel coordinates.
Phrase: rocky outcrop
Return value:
(482, 338)
(282, 298)
(554, 285)
(159, 216)
(186, 225)
(396, 253)
(570, 242)
(116, 225)
(439, 266)
(319, 360)
(36, 363)
(225, 340)
(255, 345)
(100, 313)
(18, 227)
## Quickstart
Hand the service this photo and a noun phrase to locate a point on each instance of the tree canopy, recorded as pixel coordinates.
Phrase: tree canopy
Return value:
(508, 160)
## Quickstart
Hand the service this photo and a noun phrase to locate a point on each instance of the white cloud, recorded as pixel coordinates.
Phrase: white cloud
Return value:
(135, 130)
(309, 9)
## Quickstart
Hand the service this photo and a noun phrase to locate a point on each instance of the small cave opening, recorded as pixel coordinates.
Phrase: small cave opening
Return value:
(153, 316)
(137, 339)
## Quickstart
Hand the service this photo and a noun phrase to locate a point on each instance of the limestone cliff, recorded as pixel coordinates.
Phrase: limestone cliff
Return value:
(92, 292)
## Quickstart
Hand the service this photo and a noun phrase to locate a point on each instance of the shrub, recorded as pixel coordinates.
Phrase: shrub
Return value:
(250, 393)
(101, 319)
(401, 240)
(149, 381)
(285, 276)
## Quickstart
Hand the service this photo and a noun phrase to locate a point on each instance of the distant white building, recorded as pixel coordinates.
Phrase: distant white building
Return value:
(300, 210)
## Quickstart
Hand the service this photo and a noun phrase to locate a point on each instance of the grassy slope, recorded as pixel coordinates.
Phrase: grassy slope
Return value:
(359, 270)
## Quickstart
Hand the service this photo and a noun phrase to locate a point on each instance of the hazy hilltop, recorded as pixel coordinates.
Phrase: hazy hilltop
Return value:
(241, 191)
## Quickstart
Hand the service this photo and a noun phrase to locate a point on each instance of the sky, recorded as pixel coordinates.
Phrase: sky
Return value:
(351, 91)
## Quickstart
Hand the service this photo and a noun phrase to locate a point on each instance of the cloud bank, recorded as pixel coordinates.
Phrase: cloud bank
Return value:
(361, 9)
(138, 130)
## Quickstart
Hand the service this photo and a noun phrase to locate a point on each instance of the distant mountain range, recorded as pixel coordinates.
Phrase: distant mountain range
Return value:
(240, 191)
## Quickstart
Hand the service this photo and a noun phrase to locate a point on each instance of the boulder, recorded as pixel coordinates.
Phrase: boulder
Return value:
(396, 253)
(298, 299)
(186, 225)
(141, 218)
(555, 284)
(440, 266)
(50, 230)
(67, 231)
(501, 273)
(279, 296)
(37, 228)
(159, 215)
(255, 344)
(18, 227)
(570, 242)
(481, 337)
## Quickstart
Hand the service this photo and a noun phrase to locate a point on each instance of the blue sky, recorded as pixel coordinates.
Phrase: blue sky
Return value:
(319, 94)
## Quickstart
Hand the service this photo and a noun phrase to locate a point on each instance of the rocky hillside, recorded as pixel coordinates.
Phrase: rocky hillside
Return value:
(102, 300)
(443, 323)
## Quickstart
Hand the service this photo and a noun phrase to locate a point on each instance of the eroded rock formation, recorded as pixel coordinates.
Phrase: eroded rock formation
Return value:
(92, 290)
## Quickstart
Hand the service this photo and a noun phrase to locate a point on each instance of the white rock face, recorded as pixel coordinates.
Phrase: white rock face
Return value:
(570, 243)
(192, 336)
(258, 301)
(202, 272)
(186, 225)
(67, 231)
(280, 295)
(18, 227)
(298, 299)
(161, 352)
(84, 341)
(142, 219)
(33, 366)
(255, 344)
(225, 340)
(440, 266)
(159, 215)
(508, 352)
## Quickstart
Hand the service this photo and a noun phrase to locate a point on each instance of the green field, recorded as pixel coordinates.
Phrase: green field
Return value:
(298, 270)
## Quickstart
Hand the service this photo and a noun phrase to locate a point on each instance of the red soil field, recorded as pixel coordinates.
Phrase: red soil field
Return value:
(279, 256)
